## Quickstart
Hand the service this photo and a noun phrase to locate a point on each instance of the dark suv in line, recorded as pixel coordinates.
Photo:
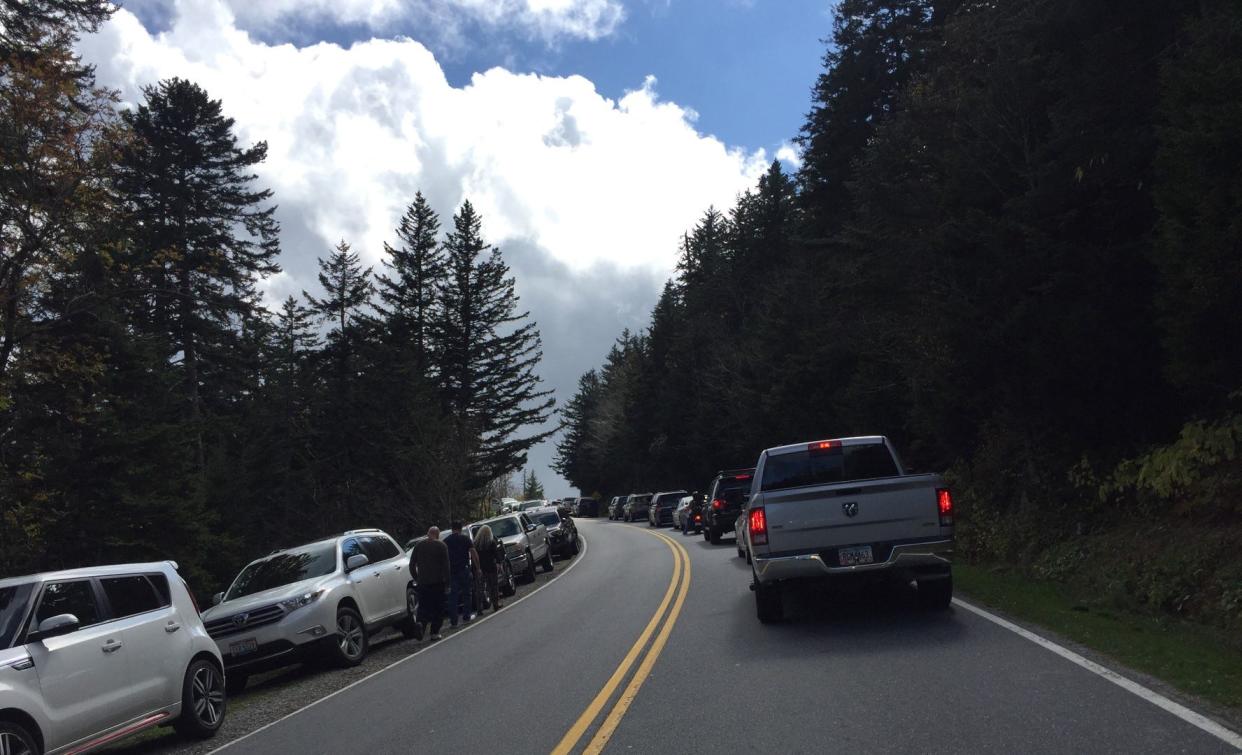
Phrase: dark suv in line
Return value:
(661, 512)
(724, 502)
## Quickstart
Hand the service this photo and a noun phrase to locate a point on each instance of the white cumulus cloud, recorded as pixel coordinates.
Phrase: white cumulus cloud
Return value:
(354, 132)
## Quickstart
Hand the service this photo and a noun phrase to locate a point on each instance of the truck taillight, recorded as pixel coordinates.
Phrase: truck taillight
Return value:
(944, 502)
(758, 526)
(717, 503)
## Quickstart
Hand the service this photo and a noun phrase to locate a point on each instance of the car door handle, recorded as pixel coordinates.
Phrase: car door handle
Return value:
(171, 627)
(396, 567)
(376, 574)
(111, 646)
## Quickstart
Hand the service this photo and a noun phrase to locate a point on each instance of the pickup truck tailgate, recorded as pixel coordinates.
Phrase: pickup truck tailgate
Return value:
(820, 517)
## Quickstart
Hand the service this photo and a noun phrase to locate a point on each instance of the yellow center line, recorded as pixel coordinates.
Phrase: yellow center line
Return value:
(644, 670)
(570, 740)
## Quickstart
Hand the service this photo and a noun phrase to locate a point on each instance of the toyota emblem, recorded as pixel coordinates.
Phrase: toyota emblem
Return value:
(850, 508)
(240, 619)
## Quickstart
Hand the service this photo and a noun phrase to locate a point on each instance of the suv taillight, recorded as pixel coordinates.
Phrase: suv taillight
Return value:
(758, 526)
(717, 503)
(944, 502)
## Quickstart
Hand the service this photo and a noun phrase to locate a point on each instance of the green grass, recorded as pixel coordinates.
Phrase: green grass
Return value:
(1196, 659)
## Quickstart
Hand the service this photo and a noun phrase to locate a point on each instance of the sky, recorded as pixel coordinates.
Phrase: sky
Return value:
(590, 134)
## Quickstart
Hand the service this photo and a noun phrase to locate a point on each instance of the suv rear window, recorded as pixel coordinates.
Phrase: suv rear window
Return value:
(131, 595)
(841, 464)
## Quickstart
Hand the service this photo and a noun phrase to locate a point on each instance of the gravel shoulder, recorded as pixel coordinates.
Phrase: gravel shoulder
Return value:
(269, 697)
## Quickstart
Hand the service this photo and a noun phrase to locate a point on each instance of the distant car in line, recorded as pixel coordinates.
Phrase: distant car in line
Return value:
(636, 505)
(562, 532)
(321, 599)
(525, 541)
(586, 507)
(686, 517)
(88, 656)
(739, 535)
(660, 513)
(616, 507)
(724, 504)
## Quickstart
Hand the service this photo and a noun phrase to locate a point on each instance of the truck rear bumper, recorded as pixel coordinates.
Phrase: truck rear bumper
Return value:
(923, 557)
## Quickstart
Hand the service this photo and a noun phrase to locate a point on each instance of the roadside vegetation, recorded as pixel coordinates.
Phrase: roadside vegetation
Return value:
(1012, 246)
(151, 405)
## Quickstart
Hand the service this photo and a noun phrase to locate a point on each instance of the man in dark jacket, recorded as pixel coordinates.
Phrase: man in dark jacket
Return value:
(429, 565)
(463, 568)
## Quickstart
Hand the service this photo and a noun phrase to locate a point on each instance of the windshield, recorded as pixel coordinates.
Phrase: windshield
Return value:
(13, 601)
(841, 464)
(284, 569)
(504, 527)
(550, 518)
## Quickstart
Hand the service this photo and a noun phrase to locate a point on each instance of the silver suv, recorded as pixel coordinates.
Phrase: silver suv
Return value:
(325, 597)
(525, 541)
(88, 656)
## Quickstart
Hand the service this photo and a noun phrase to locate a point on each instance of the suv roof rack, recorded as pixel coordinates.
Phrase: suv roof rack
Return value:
(359, 532)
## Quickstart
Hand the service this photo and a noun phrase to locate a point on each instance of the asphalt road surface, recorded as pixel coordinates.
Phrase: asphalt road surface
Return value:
(650, 644)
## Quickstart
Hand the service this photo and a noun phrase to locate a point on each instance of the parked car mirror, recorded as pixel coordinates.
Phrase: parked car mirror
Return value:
(217, 599)
(530, 528)
(55, 626)
(356, 561)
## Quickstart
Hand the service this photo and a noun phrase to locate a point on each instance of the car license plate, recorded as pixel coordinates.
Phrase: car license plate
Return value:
(243, 647)
(853, 556)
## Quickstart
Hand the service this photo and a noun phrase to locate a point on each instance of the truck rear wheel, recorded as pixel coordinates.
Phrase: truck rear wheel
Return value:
(936, 594)
(768, 604)
(713, 536)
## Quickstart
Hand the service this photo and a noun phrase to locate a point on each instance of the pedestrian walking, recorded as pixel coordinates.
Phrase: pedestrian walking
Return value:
(463, 567)
(490, 551)
(429, 566)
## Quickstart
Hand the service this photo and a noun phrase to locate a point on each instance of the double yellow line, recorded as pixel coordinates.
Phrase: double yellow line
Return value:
(678, 587)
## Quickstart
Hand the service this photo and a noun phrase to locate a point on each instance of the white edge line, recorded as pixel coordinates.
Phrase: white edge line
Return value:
(399, 661)
(1155, 698)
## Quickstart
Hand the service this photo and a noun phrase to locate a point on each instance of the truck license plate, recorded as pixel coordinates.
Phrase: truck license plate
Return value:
(243, 647)
(853, 556)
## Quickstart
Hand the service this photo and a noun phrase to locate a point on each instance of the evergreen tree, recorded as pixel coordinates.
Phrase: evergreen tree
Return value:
(203, 235)
(532, 489)
(486, 352)
(409, 294)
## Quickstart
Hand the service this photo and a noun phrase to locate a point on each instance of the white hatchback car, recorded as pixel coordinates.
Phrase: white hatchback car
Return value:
(88, 656)
(324, 597)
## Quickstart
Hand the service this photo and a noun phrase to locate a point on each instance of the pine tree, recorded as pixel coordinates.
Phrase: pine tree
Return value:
(204, 236)
(486, 352)
(409, 294)
(347, 288)
(532, 489)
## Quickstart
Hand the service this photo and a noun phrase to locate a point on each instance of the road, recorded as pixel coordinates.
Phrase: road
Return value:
(566, 669)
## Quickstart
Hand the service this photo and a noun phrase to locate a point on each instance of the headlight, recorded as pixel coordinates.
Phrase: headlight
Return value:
(305, 599)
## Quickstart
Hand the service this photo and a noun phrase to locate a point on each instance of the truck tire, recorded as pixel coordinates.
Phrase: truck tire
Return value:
(936, 594)
(768, 605)
(574, 547)
(547, 560)
(530, 567)
(713, 536)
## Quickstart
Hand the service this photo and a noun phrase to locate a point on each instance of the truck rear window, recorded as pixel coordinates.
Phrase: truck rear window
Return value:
(841, 464)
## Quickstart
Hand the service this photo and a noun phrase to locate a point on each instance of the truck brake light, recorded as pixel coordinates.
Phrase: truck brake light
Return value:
(717, 503)
(944, 503)
(758, 526)
(824, 445)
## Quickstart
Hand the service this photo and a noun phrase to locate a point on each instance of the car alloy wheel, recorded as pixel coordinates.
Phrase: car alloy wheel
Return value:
(207, 694)
(15, 741)
(351, 638)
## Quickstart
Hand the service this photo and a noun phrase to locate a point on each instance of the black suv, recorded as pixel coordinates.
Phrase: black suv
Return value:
(724, 502)
(562, 532)
(661, 511)
(586, 507)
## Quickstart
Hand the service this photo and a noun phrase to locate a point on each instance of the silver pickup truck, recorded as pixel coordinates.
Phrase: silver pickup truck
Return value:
(845, 509)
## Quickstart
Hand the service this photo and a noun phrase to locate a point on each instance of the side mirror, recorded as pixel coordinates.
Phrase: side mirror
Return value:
(217, 599)
(55, 626)
(530, 528)
(356, 561)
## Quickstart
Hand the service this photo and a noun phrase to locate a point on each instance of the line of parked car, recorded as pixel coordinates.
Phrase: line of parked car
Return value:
(834, 511)
(89, 656)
